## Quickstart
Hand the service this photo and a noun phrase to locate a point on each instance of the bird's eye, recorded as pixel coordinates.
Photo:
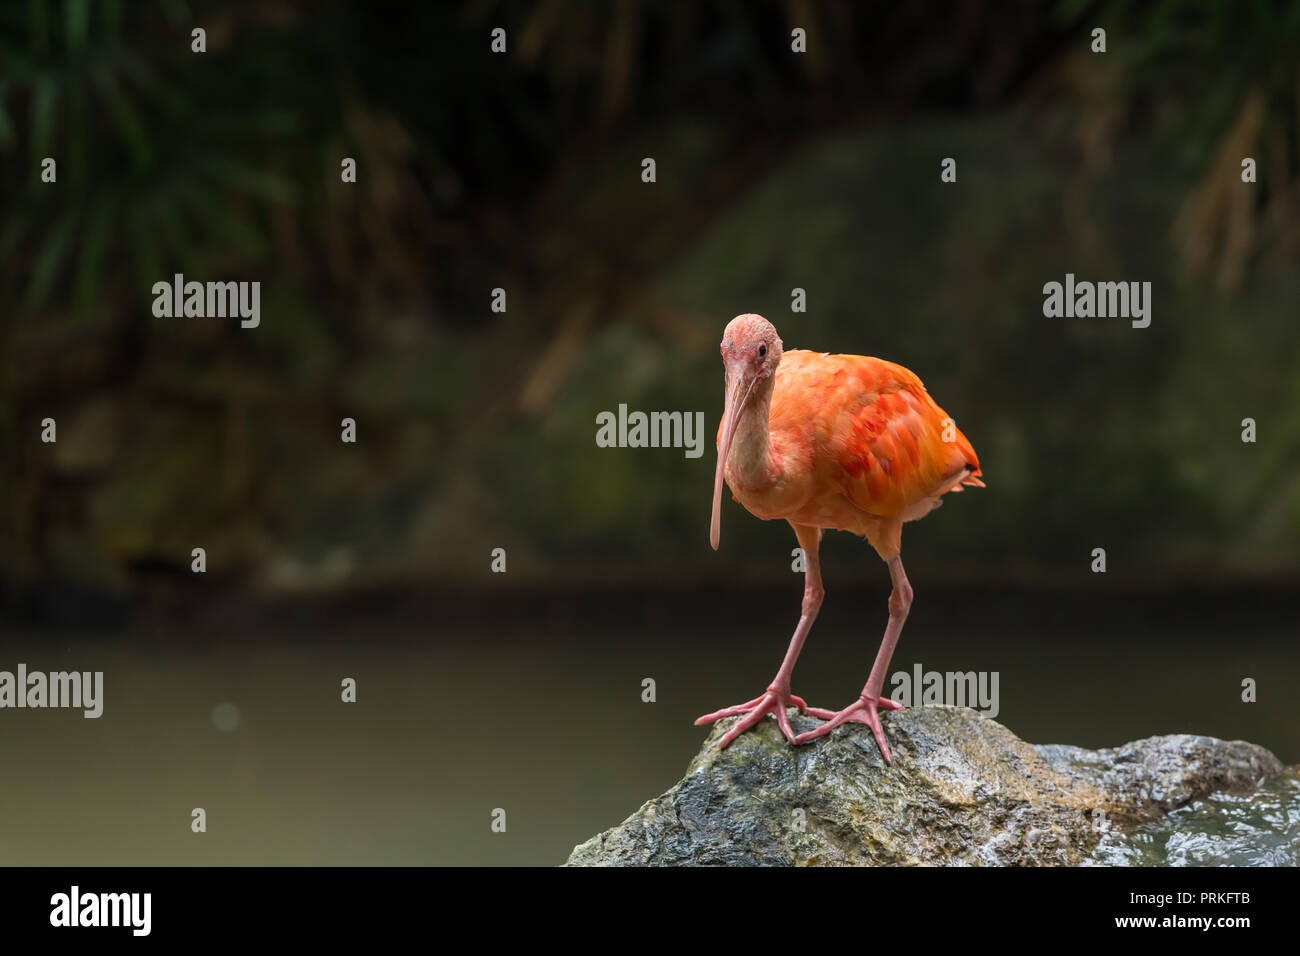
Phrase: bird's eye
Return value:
(762, 351)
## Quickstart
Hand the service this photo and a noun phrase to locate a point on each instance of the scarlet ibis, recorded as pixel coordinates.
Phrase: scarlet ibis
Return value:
(838, 442)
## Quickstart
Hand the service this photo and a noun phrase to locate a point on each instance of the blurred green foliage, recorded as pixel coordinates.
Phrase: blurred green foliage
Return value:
(522, 171)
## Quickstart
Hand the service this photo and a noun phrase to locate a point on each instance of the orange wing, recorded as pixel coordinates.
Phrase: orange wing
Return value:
(877, 433)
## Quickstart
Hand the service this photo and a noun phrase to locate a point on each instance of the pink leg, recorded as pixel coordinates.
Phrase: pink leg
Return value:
(863, 710)
(777, 697)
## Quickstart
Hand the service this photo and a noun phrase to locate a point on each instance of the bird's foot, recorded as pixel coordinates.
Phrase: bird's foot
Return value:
(773, 701)
(862, 711)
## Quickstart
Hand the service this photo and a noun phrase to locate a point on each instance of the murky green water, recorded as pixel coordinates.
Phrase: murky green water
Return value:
(545, 720)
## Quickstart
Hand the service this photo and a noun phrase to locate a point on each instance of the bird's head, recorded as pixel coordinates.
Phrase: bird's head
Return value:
(751, 351)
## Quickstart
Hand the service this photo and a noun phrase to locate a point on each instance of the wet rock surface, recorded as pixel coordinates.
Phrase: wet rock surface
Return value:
(963, 790)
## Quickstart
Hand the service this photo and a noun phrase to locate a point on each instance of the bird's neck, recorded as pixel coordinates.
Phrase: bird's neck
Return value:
(750, 464)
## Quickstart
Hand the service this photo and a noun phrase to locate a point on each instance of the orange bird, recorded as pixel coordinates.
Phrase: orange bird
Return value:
(842, 442)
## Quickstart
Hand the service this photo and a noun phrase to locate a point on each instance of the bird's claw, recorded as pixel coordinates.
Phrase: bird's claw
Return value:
(862, 711)
(773, 701)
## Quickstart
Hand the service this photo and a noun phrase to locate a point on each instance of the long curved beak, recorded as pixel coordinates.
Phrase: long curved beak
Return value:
(730, 420)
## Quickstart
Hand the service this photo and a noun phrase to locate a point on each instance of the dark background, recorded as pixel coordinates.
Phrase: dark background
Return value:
(477, 429)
